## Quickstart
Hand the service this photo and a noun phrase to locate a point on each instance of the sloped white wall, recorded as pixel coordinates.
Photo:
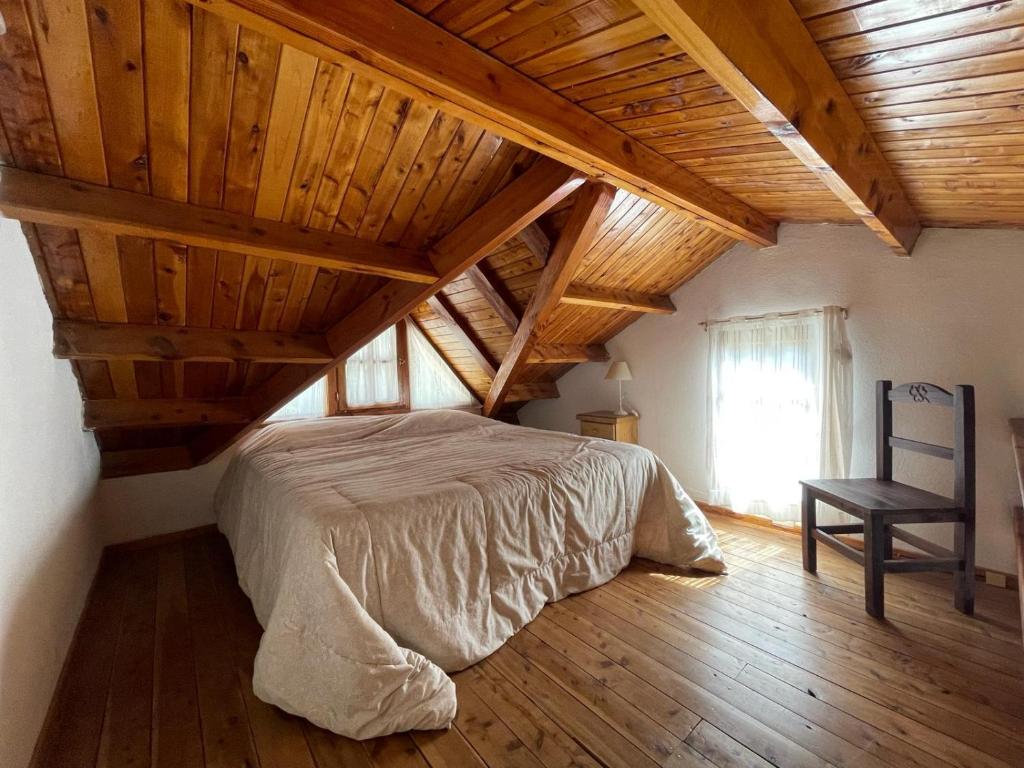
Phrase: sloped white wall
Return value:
(951, 314)
(49, 539)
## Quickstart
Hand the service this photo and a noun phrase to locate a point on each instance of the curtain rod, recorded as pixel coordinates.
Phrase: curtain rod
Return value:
(794, 313)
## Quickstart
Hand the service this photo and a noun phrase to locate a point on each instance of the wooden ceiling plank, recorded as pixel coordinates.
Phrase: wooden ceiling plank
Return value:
(551, 354)
(537, 190)
(763, 54)
(160, 412)
(409, 53)
(123, 341)
(577, 236)
(48, 200)
(618, 300)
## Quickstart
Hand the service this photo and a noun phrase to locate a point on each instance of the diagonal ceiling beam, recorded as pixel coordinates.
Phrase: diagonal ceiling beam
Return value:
(762, 53)
(494, 296)
(462, 331)
(44, 199)
(537, 241)
(386, 41)
(537, 190)
(589, 210)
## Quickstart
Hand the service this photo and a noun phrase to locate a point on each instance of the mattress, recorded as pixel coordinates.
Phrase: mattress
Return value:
(382, 552)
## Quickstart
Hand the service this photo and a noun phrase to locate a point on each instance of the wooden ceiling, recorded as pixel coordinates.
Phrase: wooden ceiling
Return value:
(178, 101)
(940, 84)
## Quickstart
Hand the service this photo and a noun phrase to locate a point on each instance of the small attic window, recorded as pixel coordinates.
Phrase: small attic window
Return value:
(370, 381)
(310, 404)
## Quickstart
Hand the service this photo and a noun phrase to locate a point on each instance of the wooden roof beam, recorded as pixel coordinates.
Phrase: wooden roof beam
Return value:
(136, 414)
(388, 42)
(555, 354)
(537, 241)
(540, 188)
(139, 461)
(762, 53)
(589, 210)
(461, 330)
(44, 199)
(628, 301)
(494, 296)
(116, 341)
(534, 390)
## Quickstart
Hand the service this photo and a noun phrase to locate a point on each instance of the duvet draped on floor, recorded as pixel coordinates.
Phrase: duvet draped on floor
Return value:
(381, 552)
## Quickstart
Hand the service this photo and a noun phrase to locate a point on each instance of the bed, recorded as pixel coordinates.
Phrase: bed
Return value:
(382, 552)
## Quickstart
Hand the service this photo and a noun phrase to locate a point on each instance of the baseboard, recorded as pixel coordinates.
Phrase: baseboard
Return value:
(161, 539)
(990, 576)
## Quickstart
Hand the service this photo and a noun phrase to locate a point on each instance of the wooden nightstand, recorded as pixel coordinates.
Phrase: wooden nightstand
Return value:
(609, 426)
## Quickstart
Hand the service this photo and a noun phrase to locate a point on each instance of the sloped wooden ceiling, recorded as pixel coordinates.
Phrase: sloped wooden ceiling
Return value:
(940, 84)
(167, 99)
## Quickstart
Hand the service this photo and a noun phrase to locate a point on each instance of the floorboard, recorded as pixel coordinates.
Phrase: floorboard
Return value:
(767, 665)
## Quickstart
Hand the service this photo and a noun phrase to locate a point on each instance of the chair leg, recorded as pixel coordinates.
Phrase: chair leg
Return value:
(963, 580)
(874, 565)
(808, 522)
(887, 550)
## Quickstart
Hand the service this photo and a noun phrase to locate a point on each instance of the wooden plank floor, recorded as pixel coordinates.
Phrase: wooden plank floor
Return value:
(767, 665)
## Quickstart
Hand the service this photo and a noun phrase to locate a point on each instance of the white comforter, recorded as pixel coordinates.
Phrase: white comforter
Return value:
(381, 552)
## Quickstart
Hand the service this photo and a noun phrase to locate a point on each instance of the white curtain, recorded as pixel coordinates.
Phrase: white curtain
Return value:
(432, 382)
(779, 409)
(310, 404)
(371, 374)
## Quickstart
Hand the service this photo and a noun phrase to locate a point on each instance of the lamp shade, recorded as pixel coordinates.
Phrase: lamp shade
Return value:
(618, 371)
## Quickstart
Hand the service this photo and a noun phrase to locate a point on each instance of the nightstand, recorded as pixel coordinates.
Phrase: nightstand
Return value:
(609, 426)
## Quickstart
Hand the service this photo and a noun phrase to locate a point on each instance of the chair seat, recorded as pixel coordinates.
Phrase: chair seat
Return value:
(877, 496)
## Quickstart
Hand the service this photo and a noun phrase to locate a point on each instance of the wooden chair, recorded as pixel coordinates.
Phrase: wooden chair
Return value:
(882, 502)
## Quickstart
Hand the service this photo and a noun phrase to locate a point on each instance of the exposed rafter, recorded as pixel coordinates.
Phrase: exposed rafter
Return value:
(762, 53)
(537, 241)
(138, 461)
(589, 210)
(462, 331)
(618, 300)
(389, 42)
(114, 414)
(493, 296)
(535, 390)
(537, 190)
(43, 199)
(114, 341)
(545, 354)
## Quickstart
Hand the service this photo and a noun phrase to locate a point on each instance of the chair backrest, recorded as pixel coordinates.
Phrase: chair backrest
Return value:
(960, 400)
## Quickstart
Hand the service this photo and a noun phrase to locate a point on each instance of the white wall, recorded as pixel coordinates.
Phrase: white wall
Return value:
(141, 506)
(49, 539)
(951, 314)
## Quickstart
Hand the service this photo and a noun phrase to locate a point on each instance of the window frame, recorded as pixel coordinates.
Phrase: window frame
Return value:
(337, 404)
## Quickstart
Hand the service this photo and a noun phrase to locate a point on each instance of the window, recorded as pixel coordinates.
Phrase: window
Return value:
(433, 383)
(371, 374)
(778, 409)
(309, 404)
(377, 378)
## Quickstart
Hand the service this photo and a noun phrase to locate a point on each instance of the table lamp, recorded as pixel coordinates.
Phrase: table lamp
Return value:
(619, 371)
